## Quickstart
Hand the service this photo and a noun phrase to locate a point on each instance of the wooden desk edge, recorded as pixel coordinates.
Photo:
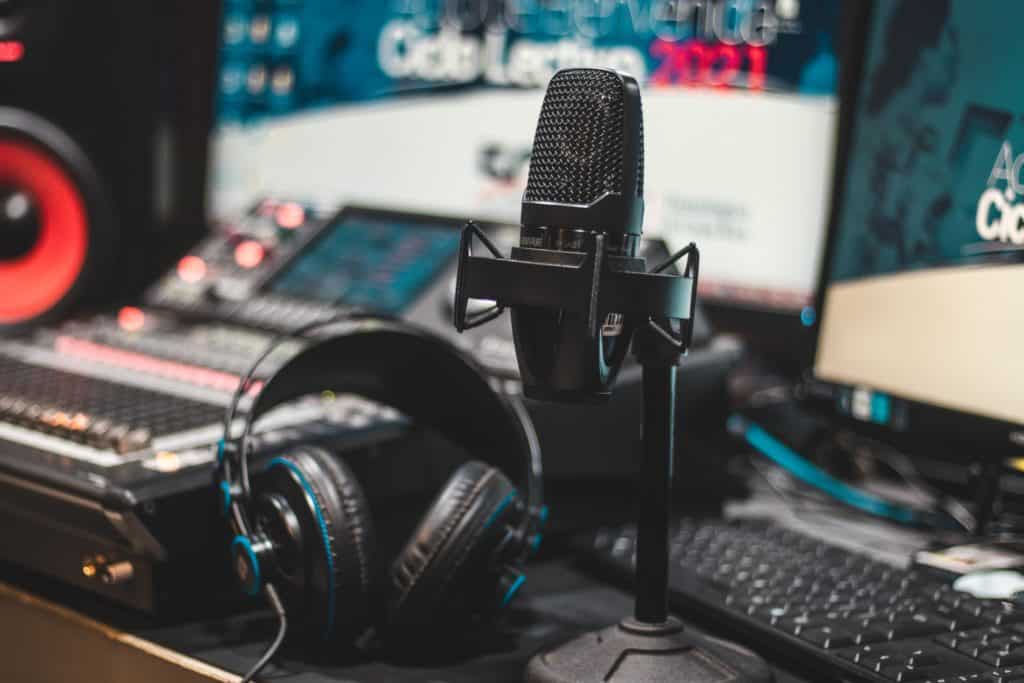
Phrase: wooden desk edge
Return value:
(27, 620)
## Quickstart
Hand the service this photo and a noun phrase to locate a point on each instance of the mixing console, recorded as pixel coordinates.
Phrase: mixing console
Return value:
(186, 348)
(104, 415)
(228, 268)
(108, 423)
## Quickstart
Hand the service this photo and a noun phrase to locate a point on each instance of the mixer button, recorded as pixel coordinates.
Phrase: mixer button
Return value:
(78, 427)
(33, 415)
(117, 438)
(97, 433)
(134, 440)
(50, 419)
(16, 412)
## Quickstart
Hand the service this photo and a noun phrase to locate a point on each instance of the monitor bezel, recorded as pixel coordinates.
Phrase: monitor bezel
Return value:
(943, 433)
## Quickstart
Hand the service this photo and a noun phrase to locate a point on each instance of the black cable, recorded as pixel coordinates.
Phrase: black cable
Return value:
(282, 629)
(809, 506)
(245, 383)
(904, 467)
(535, 494)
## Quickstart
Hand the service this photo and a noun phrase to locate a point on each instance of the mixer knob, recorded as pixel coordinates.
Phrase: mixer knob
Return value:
(78, 426)
(17, 410)
(97, 434)
(49, 420)
(136, 440)
(33, 415)
(117, 438)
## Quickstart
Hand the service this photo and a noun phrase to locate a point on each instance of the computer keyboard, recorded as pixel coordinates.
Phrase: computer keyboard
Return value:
(843, 614)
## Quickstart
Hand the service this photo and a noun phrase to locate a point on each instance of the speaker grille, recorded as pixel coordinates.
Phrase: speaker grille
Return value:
(578, 147)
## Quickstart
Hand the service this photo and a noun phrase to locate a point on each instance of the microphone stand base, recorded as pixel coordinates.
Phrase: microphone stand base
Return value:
(647, 653)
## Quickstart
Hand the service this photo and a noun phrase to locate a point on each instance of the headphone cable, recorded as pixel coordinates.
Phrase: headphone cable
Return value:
(282, 629)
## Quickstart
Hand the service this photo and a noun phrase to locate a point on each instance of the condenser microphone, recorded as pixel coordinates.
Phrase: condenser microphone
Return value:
(575, 286)
(586, 179)
(579, 296)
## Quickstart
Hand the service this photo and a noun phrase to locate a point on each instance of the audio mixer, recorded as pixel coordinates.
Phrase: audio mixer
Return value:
(108, 423)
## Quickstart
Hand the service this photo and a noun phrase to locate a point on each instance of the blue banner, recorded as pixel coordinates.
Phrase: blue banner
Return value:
(284, 56)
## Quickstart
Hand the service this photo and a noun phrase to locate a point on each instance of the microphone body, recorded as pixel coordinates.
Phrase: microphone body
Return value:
(583, 199)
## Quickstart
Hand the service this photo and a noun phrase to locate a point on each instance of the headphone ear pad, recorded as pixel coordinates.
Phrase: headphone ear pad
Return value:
(440, 575)
(330, 593)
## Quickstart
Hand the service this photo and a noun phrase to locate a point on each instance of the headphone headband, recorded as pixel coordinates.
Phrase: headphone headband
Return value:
(408, 368)
(415, 371)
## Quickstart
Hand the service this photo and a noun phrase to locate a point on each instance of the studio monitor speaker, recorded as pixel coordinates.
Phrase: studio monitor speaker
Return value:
(105, 108)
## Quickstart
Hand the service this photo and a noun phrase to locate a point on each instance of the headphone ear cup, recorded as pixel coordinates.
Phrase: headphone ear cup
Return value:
(441, 574)
(330, 592)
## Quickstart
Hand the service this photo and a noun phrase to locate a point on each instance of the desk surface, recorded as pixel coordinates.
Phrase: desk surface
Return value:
(560, 603)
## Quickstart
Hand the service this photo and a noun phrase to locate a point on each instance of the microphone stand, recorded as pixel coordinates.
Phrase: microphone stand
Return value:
(651, 646)
(658, 359)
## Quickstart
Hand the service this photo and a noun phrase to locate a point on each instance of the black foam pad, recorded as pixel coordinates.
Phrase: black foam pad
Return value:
(441, 572)
(332, 590)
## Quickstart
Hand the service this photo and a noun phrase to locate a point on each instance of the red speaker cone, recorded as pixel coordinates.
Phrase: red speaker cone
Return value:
(35, 280)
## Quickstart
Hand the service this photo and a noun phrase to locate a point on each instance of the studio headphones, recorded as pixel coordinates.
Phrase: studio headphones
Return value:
(303, 529)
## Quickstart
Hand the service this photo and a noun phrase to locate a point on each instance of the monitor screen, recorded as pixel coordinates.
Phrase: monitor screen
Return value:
(431, 107)
(377, 263)
(921, 294)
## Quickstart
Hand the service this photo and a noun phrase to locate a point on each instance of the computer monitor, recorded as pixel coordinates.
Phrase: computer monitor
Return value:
(431, 107)
(922, 319)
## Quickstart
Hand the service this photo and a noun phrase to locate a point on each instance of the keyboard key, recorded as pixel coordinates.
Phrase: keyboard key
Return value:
(872, 635)
(920, 659)
(1002, 657)
(912, 674)
(919, 624)
(971, 648)
(875, 662)
(1005, 617)
(839, 608)
(828, 637)
(851, 654)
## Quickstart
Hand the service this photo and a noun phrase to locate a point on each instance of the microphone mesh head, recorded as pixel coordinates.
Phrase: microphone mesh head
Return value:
(579, 145)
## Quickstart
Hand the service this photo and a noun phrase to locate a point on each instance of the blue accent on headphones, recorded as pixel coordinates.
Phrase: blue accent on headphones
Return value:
(243, 542)
(501, 508)
(512, 590)
(225, 503)
(538, 538)
(322, 524)
(220, 452)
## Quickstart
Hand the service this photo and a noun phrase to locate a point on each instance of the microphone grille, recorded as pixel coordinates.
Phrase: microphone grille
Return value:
(579, 144)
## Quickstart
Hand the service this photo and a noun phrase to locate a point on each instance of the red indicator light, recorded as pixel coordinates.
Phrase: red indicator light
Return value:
(11, 50)
(249, 254)
(290, 215)
(191, 268)
(131, 319)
